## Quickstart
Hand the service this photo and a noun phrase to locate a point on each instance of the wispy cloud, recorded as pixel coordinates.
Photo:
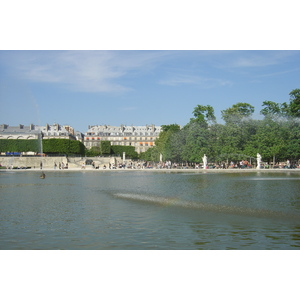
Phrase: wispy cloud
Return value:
(88, 71)
(177, 80)
(250, 59)
(120, 71)
(279, 73)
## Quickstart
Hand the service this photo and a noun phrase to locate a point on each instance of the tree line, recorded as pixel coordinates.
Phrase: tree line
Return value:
(49, 146)
(105, 149)
(65, 147)
(276, 136)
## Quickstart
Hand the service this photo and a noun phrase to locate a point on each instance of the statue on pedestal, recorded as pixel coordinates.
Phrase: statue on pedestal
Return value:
(258, 161)
(204, 159)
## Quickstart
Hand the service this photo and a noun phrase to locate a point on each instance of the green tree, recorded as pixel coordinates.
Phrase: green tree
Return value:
(292, 139)
(151, 154)
(167, 142)
(271, 109)
(196, 142)
(295, 103)
(129, 151)
(105, 147)
(269, 141)
(237, 112)
(204, 114)
(94, 151)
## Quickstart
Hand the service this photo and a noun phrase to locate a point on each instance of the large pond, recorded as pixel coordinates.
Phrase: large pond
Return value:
(149, 210)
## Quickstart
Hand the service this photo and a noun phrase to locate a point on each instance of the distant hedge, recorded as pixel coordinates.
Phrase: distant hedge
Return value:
(19, 145)
(105, 147)
(129, 150)
(51, 146)
(62, 146)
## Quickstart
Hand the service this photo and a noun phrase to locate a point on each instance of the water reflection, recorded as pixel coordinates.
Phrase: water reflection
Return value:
(145, 210)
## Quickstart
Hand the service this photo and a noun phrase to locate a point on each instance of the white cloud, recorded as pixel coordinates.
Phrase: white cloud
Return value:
(246, 59)
(176, 80)
(88, 71)
(117, 71)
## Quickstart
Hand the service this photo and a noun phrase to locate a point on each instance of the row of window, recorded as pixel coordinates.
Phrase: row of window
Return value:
(126, 129)
(122, 134)
(141, 144)
(120, 139)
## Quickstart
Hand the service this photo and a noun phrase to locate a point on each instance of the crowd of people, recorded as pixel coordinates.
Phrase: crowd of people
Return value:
(60, 166)
(241, 164)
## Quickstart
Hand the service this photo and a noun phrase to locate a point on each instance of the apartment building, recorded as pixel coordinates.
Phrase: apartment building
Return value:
(34, 132)
(141, 137)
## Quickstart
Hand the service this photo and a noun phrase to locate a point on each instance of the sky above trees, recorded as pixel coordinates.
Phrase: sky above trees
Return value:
(133, 64)
(82, 88)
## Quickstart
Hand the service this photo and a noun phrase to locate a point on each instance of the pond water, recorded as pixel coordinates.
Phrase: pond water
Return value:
(149, 210)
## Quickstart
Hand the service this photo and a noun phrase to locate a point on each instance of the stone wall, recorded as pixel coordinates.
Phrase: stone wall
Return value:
(48, 162)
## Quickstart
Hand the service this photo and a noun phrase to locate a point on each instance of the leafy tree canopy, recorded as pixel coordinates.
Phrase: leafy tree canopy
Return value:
(295, 103)
(237, 112)
(203, 114)
(276, 137)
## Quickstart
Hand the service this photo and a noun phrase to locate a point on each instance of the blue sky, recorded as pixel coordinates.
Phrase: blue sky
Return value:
(82, 88)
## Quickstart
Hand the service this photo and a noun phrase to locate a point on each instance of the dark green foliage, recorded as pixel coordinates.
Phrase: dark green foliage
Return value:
(172, 127)
(276, 137)
(166, 142)
(237, 112)
(204, 114)
(94, 151)
(63, 146)
(12, 145)
(295, 103)
(151, 154)
(271, 109)
(129, 150)
(51, 146)
(105, 147)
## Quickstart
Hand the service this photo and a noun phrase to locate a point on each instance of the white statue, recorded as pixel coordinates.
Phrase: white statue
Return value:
(204, 159)
(258, 161)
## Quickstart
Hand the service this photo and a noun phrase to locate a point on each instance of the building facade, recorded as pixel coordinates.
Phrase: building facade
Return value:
(19, 132)
(57, 131)
(140, 137)
(34, 132)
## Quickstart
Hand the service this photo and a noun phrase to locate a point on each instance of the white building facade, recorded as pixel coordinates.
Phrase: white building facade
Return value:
(34, 132)
(140, 137)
